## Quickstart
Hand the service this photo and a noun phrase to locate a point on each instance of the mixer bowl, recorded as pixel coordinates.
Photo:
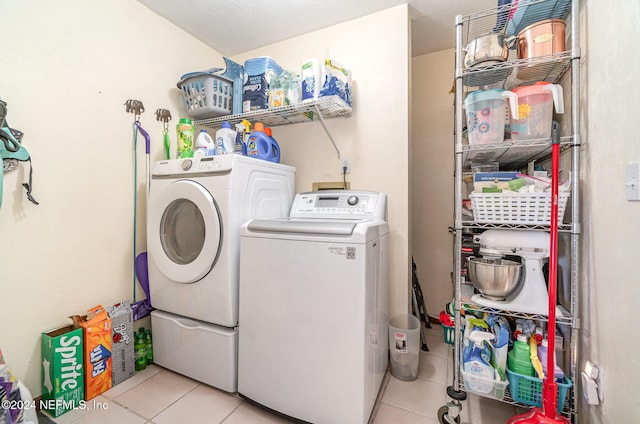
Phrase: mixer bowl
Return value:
(496, 279)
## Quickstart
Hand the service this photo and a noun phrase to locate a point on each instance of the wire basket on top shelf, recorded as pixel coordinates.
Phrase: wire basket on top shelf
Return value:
(206, 94)
(516, 208)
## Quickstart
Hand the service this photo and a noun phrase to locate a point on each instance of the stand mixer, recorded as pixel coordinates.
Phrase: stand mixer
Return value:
(533, 247)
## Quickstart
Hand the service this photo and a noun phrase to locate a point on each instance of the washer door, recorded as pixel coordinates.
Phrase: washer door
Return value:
(184, 231)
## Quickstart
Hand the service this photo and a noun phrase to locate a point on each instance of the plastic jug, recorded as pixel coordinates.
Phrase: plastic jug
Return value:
(519, 358)
(535, 109)
(485, 110)
(275, 147)
(204, 145)
(225, 139)
(259, 143)
(558, 374)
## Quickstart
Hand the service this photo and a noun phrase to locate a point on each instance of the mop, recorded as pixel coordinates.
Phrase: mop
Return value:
(140, 308)
(549, 412)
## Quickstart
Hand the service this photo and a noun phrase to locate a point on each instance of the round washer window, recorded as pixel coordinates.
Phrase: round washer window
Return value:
(182, 231)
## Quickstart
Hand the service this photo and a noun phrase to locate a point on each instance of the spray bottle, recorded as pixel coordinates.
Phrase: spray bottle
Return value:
(242, 131)
(477, 361)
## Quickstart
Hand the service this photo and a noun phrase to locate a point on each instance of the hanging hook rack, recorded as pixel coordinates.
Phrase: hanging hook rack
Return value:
(163, 115)
(134, 106)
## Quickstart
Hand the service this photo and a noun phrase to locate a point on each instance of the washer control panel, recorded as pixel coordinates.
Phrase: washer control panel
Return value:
(340, 204)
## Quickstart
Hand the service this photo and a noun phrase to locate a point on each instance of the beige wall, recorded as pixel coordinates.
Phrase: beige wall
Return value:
(375, 137)
(68, 68)
(432, 163)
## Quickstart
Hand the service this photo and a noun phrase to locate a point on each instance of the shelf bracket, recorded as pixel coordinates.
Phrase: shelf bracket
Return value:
(326, 129)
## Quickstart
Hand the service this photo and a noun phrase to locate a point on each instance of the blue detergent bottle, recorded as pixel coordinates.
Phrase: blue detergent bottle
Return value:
(259, 143)
(275, 147)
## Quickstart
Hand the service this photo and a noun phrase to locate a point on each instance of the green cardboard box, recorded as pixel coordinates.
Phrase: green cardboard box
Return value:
(62, 370)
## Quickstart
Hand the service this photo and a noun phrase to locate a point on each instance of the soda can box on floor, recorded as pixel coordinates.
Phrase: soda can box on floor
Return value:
(62, 369)
(122, 351)
(96, 326)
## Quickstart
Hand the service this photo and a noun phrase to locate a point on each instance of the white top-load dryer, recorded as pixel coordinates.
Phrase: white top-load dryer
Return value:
(195, 211)
(313, 307)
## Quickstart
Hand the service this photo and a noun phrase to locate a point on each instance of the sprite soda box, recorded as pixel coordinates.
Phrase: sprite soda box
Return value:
(62, 370)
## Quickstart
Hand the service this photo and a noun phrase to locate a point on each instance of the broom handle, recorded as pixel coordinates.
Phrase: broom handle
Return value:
(550, 389)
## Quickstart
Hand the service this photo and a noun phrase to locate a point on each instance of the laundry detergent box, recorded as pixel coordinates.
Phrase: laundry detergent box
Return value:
(258, 73)
(122, 349)
(96, 330)
(62, 369)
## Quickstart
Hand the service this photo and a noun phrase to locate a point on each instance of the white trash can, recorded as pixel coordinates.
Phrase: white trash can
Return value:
(404, 346)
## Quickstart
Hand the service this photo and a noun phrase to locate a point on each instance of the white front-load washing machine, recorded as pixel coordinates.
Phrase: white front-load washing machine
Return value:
(195, 211)
(314, 307)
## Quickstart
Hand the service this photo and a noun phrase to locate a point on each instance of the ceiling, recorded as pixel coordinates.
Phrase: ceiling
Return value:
(236, 26)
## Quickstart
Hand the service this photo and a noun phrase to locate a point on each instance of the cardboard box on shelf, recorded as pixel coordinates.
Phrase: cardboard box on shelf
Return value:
(96, 326)
(62, 369)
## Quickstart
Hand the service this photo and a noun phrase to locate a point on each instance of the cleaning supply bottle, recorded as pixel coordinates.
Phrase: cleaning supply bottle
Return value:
(519, 358)
(477, 361)
(204, 144)
(240, 146)
(558, 374)
(500, 345)
(225, 139)
(275, 147)
(259, 143)
(185, 131)
(535, 361)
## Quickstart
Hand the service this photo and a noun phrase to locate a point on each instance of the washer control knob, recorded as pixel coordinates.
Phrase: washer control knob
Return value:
(186, 164)
(352, 200)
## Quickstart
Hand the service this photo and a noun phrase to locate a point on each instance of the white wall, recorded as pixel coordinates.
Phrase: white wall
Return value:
(67, 68)
(432, 163)
(611, 224)
(375, 137)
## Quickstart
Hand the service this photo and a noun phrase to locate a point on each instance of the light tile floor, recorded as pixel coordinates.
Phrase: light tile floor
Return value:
(160, 396)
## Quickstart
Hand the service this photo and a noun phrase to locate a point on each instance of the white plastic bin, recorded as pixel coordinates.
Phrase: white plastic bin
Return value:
(404, 346)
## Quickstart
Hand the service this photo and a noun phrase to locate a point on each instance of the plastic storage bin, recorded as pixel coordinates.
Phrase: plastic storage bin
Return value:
(528, 390)
(516, 208)
(206, 95)
(486, 387)
(404, 344)
(449, 334)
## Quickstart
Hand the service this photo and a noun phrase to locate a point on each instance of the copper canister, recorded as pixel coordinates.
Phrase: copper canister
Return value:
(541, 39)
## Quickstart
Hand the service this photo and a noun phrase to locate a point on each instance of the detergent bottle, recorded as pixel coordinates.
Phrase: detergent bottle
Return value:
(275, 147)
(225, 140)
(259, 144)
(204, 144)
(558, 374)
(519, 358)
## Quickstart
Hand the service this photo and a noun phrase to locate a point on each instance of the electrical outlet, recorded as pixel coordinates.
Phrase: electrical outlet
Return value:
(345, 163)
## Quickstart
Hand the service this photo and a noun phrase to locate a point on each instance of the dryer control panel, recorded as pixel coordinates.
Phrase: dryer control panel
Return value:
(355, 204)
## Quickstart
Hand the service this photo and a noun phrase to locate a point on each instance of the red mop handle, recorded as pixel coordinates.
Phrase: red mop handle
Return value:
(550, 388)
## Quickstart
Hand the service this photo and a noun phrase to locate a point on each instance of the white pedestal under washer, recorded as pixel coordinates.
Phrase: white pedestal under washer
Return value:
(195, 211)
(313, 307)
